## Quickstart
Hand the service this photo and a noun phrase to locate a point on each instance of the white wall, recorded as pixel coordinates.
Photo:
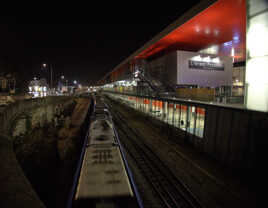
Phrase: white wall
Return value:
(257, 61)
(202, 77)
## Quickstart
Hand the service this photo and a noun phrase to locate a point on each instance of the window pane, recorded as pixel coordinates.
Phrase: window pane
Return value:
(183, 119)
(200, 122)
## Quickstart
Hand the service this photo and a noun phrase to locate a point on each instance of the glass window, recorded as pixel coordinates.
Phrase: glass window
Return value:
(183, 117)
(200, 122)
(191, 119)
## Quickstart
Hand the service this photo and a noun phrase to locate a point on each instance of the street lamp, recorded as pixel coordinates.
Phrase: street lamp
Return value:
(49, 67)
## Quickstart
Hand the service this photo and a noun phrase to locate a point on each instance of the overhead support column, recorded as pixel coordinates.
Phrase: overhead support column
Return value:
(257, 55)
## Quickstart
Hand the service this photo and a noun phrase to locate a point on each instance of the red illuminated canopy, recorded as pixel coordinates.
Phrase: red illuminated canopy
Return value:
(222, 24)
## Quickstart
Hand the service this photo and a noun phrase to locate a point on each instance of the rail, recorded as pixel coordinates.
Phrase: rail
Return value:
(225, 132)
(172, 191)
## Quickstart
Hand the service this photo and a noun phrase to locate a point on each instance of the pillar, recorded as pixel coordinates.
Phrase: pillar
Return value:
(257, 55)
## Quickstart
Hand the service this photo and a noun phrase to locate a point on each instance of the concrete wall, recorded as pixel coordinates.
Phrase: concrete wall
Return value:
(171, 67)
(22, 116)
(165, 68)
(157, 68)
(15, 120)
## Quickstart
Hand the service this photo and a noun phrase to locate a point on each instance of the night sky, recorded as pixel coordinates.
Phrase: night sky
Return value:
(80, 45)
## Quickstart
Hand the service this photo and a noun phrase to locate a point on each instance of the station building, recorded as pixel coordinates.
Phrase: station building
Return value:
(204, 54)
(215, 59)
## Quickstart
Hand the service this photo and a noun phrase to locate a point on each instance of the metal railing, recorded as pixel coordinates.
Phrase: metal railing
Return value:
(187, 116)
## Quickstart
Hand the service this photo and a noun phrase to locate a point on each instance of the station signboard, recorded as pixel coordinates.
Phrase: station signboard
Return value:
(203, 65)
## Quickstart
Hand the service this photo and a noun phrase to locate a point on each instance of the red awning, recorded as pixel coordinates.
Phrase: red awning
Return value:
(222, 25)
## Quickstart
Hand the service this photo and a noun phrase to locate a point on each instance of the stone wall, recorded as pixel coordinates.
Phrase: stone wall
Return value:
(25, 115)
(15, 189)
(16, 120)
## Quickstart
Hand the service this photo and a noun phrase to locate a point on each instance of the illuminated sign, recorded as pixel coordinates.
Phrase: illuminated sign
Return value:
(204, 65)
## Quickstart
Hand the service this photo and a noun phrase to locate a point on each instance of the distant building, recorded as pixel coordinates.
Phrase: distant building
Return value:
(38, 88)
(7, 83)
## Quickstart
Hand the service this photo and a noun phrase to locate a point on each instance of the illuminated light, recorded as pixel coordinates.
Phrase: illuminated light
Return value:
(257, 40)
(35, 88)
(216, 32)
(197, 29)
(225, 15)
(35, 94)
(256, 68)
(214, 49)
(236, 38)
(232, 52)
(216, 60)
(257, 71)
(257, 82)
(228, 43)
(207, 59)
(45, 89)
(197, 58)
(207, 30)
(30, 89)
(257, 98)
(136, 73)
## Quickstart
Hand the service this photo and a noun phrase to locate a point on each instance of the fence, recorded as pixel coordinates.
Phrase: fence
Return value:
(228, 134)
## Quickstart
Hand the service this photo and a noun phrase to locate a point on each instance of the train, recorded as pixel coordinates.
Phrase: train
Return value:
(105, 179)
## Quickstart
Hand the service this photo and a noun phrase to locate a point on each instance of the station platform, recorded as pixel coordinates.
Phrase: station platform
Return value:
(216, 185)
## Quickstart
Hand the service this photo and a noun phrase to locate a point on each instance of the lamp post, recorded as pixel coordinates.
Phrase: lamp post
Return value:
(49, 67)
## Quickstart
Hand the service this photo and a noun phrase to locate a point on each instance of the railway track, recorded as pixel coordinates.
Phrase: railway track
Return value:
(171, 191)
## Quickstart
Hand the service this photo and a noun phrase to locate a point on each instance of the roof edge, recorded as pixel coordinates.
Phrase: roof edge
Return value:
(195, 10)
